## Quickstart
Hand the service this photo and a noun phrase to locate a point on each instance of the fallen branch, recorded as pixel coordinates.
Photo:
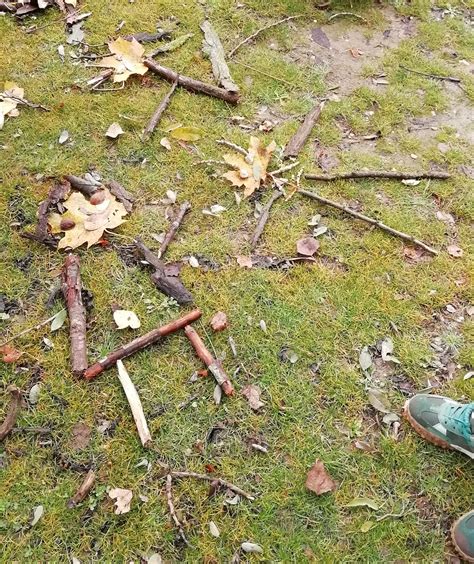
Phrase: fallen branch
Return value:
(370, 220)
(184, 208)
(83, 491)
(258, 32)
(220, 481)
(169, 497)
(155, 118)
(378, 174)
(435, 76)
(140, 343)
(215, 366)
(212, 46)
(71, 284)
(262, 221)
(25, 331)
(12, 413)
(24, 102)
(192, 84)
(298, 140)
(135, 404)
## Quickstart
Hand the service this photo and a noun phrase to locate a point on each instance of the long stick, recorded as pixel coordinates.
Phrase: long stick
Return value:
(83, 491)
(184, 208)
(370, 220)
(264, 218)
(135, 404)
(169, 497)
(12, 414)
(378, 174)
(223, 483)
(140, 343)
(71, 277)
(215, 367)
(258, 32)
(155, 118)
(21, 333)
(436, 76)
(191, 84)
(298, 140)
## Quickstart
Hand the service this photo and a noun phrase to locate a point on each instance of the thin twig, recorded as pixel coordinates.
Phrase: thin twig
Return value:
(155, 118)
(25, 102)
(296, 143)
(340, 14)
(264, 218)
(259, 31)
(96, 89)
(184, 208)
(169, 497)
(220, 481)
(45, 322)
(233, 146)
(283, 169)
(435, 76)
(213, 162)
(378, 174)
(370, 220)
(265, 73)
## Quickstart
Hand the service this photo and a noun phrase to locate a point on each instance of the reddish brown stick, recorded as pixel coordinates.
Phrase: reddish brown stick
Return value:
(298, 140)
(12, 414)
(155, 118)
(71, 282)
(140, 343)
(191, 84)
(83, 491)
(184, 208)
(215, 367)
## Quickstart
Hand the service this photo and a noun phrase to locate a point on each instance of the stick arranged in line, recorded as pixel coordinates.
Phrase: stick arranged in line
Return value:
(378, 174)
(298, 140)
(370, 220)
(262, 221)
(84, 490)
(156, 117)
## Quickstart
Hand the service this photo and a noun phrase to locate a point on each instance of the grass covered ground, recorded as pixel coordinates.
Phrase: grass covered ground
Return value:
(365, 288)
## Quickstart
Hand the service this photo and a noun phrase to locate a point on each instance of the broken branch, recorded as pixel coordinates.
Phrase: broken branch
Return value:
(262, 221)
(169, 497)
(135, 404)
(298, 140)
(155, 118)
(13, 410)
(184, 208)
(378, 174)
(220, 481)
(370, 220)
(140, 343)
(83, 491)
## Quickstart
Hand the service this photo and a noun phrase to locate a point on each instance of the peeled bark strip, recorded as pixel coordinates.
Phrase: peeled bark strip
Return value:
(135, 404)
(84, 490)
(262, 221)
(121, 194)
(71, 278)
(212, 46)
(215, 366)
(370, 220)
(191, 84)
(298, 140)
(184, 208)
(140, 343)
(378, 174)
(13, 410)
(156, 117)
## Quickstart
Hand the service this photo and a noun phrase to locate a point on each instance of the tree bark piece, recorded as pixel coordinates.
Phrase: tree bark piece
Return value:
(220, 481)
(140, 343)
(378, 174)
(71, 283)
(184, 208)
(121, 194)
(215, 366)
(13, 410)
(156, 117)
(298, 140)
(83, 491)
(370, 220)
(145, 37)
(135, 404)
(262, 221)
(192, 84)
(212, 46)
(88, 188)
(174, 516)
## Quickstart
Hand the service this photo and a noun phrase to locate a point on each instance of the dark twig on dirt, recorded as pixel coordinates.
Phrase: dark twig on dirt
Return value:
(262, 221)
(169, 497)
(298, 140)
(140, 343)
(212, 46)
(378, 174)
(192, 84)
(232, 146)
(183, 209)
(214, 365)
(121, 194)
(220, 481)
(258, 32)
(71, 278)
(171, 286)
(155, 118)
(13, 410)
(350, 14)
(435, 76)
(83, 491)
(370, 220)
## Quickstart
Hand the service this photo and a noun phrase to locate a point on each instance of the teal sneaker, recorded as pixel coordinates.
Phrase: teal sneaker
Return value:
(442, 421)
(463, 536)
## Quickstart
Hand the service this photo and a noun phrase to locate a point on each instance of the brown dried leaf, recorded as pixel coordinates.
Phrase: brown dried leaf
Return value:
(318, 480)
(307, 246)
(123, 498)
(219, 321)
(9, 354)
(244, 261)
(81, 435)
(252, 393)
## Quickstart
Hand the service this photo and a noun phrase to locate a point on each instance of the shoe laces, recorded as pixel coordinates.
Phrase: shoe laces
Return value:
(457, 417)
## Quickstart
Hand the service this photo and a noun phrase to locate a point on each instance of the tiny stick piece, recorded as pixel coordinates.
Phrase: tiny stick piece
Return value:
(192, 84)
(135, 404)
(71, 277)
(140, 343)
(264, 218)
(83, 491)
(215, 366)
(184, 208)
(258, 32)
(155, 118)
(12, 414)
(298, 140)
(370, 220)
(169, 497)
(378, 174)
(436, 76)
(221, 482)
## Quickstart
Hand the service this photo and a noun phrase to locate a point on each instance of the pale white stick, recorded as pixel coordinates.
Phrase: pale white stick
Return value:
(135, 404)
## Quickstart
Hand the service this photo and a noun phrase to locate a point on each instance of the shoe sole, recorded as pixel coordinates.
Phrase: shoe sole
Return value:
(459, 551)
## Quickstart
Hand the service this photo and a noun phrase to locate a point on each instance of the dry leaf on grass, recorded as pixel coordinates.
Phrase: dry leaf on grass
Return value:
(9, 354)
(252, 393)
(244, 261)
(126, 59)
(114, 131)
(124, 319)
(186, 133)
(219, 321)
(8, 103)
(307, 246)
(455, 251)
(318, 480)
(81, 435)
(122, 498)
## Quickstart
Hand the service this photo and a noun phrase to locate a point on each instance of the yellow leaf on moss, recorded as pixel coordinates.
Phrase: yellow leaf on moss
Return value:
(126, 59)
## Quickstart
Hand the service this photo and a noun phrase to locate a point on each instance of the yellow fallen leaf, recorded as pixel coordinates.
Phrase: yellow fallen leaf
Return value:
(184, 133)
(8, 106)
(126, 59)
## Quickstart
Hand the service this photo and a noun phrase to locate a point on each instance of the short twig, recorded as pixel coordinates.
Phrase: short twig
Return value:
(184, 208)
(97, 89)
(169, 497)
(435, 76)
(341, 14)
(24, 102)
(283, 169)
(233, 146)
(45, 322)
(156, 117)
(264, 218)
(220, 481)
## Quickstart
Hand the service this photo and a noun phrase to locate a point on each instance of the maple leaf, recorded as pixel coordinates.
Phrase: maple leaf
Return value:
(126, 59)
(251, 171)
